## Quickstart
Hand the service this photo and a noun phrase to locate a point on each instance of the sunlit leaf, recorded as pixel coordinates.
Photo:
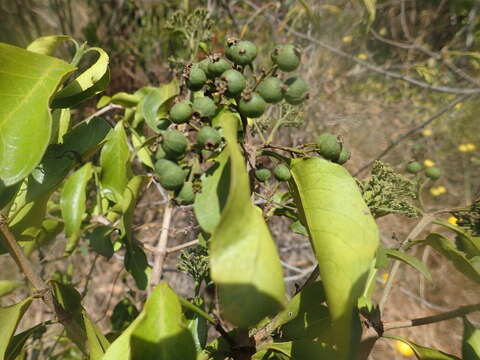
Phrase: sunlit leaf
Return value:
(97, 343)
(299, 350)
(471, 341)
(9, 318)
(410, 260)
(18, 341)
(46, 45)
(7, 286)
(153, 103)
(422, 352)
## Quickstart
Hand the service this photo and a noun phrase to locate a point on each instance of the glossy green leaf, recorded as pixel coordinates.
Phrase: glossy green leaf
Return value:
(210, 202)
(136, 264)
(73, 203)
(18, 341)
(115, 164)
(138, 112)
(152, 105)
(344, 236)
(448, 249)
(410, 260)
(97, 342)
(300, 350)
(471, 341)
(423, 353)
(9, 318)
(46, 45)
(100, 241)
(244, 261)
(8, 286)
(49, 230)
(142, 151)
(25, 120)
(124, 99)
(60, 125)
(158, 333)
(92, 81)
(469, 244)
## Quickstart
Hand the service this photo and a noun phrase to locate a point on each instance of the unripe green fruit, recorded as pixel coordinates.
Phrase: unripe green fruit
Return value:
(170, 175)
(236, 82)
(297, 91)
(174, 143)
(344, 156)
(433, 173)
(204, 106)
(414, 167)
(181, 112)
(270, 90)
(286, 57)
(242, 53)
(262, 174)
(282, 173)
(204, 65)
(329, 146)
(218, 66)
(252, 106)
(186, 196)
(196, 78)
(160, 154)
(208, 137)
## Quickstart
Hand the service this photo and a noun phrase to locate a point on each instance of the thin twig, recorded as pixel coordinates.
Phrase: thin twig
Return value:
(182, 246)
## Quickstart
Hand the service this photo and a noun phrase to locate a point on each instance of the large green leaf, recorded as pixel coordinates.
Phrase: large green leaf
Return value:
(344, 237)
(92, 81)
(244, 261)
(410, 260)
(422, 352)
(114, 160)
(73, 203)
(18, 341)
(46, 45)
(153, 105)
(158, 333)
(9, 319)
(471, 341)
(7, 286)
(97, 342)
(27, 81)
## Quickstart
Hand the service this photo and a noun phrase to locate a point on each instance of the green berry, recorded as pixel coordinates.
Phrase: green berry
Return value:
(433, 173)
(170, 175)
(218, 66)
(414, 167)
(242, 53)
(344, 156)
(204, 65)
(208, 137)
(282, 173)
(186, 196)
(204, 107)
(296, 91)
(329, 146)
(270, 90)
(160, 154)
(286, 57)
(174, 143)
(252, 106)
(262, 174)
(196, 78)
(235, 81)
(181, 112)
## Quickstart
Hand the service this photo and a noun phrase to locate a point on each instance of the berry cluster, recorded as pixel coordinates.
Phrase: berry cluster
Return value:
(433, 173)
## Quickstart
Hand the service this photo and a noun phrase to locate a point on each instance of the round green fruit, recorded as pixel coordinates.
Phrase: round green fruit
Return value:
(329, 146)
(170, 175)
(344, 156)
(235, 81)
(181, 112)
(204, 65)
(208, 137)
(414, 167)
(262, 174)
(433, 173)
(160, 154)
(196, 78)
(174, 143)
(270, 90)
(204, 106)
(252, 105)
(296, 91)
(282, 173)
(218, 66)
(242, 53)
(186, 195)
(286, 57)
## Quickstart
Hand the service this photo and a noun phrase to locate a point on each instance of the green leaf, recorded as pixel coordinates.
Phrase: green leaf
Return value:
(18, 341)
(46, 45)
(469, 244)
(371, 8)
(299, 350)
(100, 241)
(8, 286)
(459, 260)
(7, 194)
(471, 341)
(73, 204)
(344, 236)
(136, 264)
(60, 125)
(92, 81)
(197, 325)
(97, 342)
(115, 164)
(49, 230)
(158, 333)
(153, 106)
(9, 318)
(423, 353)
(210, 202)
(409, 260)
(25, 120)
(244, 261)
(142, 151)
(126, 100)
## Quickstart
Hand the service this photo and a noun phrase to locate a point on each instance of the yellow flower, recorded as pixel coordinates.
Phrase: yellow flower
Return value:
(427, 132)
(458, 106)
(437, 191)
(452, 220)
(471, 146)
(384, 277)
(362, 56)
(404, 348)
(463, 147)
(347, 39)
(434, 191)
(428, 163)
(383, 31)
